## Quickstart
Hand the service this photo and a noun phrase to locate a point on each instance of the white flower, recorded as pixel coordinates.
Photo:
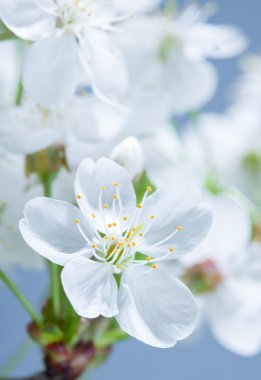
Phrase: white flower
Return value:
(177, 51)
(71, 41)
(230, 268)
(29, 128)
(13, 194)
(109, 235)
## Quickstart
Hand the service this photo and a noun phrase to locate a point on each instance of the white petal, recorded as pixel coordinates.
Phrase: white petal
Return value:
(172, 208)
(135, 6)
(128, 153)
(91, 288)
(49, 228)
(155, 307)
(229, 233)
(215, 41)
(27, 19)
(92, 176)
(233, 319)
(106, 60)
(52, 70)
(191, 84)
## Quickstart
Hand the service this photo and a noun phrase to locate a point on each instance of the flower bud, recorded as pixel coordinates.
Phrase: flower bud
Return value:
(129, 154)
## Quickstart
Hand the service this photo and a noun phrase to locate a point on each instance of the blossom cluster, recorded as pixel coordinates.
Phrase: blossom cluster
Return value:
(159, 223)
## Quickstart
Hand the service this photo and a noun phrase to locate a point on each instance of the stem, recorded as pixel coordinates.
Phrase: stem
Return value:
(54, 269)
(27, 306)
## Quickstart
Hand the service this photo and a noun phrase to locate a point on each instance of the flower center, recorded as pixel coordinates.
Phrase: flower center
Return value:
(122, 235)
(204, 277)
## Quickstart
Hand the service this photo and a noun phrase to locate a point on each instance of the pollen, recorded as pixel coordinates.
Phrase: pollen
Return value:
(139, 205)
(120, 244)
(78, 196)
(113, 238)
(129, 245)
(133, 243)
(133, 229)
(120, 266)
(94, 246)
(128, 233)
(149, 189)
(154, 266)
(179, 228)
(171, 249)
(116, 184)
(141, 234)
(148, 258)
(110, 225)
(152, 217)
(114, 224)
(106, 237)
(125, 218)
(76, 221)
(102, 188)
(106, 206)
(115, 196)
(93, 216)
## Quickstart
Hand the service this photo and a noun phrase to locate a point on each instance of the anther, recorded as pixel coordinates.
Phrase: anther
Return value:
(115, 196)
(113, 238)
(94, 246)
(93, 216)
(102, 188)
(110, 225)
(139, 205)
(154, 266)
(106, 206)
(78, 196)
(148, 258)
(76, 221)
(179, 228)
(152, 217)
(133, 244)
(116, 184)
(141, 234)
(149, 189)
(125, 218)
(114, 224)
(171, 249)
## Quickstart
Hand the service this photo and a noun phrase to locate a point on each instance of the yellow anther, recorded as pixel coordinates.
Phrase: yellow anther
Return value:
(125, 239)
(106, 237)
(120, 266)
(114, 224)
(76, 221)
(125, 218)
(128, 233)
(116, 184)
(102, 188)
(110, 225)
(113, 238)
(154, 266)
(139, 205)
(115, 196)
(120, 244)
(149, 189)
(152, 217)
(148, 258)
(179, 228)
(106, 206)
(171, 249)
(93, 216)
(78, 196)
(133, 229)
(133, 244)
(129, 245)
(94, 246)
(141, 234)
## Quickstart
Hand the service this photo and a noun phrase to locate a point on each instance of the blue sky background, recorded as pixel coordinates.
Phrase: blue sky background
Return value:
(201, 357)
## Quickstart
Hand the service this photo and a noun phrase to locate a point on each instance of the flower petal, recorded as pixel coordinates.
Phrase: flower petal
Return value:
(49, 228)
(172, 208)
(27, 18)
(234, 314)
(52, 70)
(90, 287)
(91, 177)
(155, 307)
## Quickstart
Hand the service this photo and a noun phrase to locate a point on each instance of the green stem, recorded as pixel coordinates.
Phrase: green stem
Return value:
(54, 269)
(27, 306)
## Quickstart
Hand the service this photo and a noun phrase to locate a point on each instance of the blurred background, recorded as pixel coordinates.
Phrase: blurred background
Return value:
(199, 357)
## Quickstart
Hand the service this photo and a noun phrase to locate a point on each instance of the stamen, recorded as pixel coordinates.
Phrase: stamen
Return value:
(171, 249)
(78, 196)
(102, 188)
(76, 221)
(148, 259)
(116, 184)
(152, 217)
(149, 189)
(179, 228)
(154, 266)
(140, 205)
(115, 196)
(125, 218)
(105, 206)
